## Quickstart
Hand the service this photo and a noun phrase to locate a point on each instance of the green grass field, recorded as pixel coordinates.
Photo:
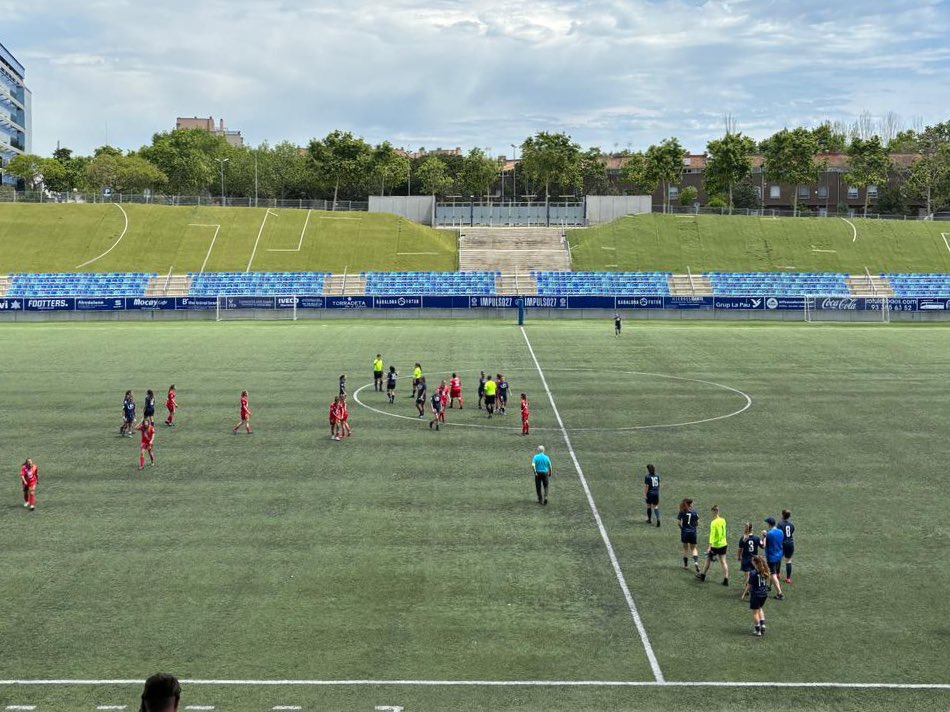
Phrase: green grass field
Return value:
(404, 554)
(709, 243)
(69, 238)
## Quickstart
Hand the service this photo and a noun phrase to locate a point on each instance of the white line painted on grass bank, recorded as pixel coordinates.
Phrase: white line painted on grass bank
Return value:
(258, 240)
(638, 622)
(854, 230)
(497, 683)
(302, 233)
(114, 244)
(944, 236)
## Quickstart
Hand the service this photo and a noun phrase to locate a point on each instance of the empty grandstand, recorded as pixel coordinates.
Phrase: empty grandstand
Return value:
(777, 284)
(119, 284)
(620, 283)
(257, 283)
(430, 282)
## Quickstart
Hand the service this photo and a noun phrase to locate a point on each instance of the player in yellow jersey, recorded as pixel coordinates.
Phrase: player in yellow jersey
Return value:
(718, 546)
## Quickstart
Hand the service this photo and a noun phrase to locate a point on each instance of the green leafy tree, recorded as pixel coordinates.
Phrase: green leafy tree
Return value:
(389, 167)
(552, 159)
(688, 195)
(594, 177)
(479, 173)
(74, 175)
(870, 164)
(660, 165)
(830, 138)
(35, 170)
(340, 160)
(433, 177)
(729, 162)
(188, 158)
(124, 174)
(790, 159)
(928, 179)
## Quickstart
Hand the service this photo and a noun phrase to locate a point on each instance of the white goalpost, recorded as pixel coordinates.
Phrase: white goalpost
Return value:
(234, 308)
(844, 309)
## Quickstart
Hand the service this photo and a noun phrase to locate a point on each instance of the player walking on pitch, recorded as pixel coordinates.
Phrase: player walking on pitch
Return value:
(525, 414)
(245, 415)
(378, 373)
(148, 442)
(618, 323)
(128, 414)
(651, 494)
(149, 411)
(688, 521)
(455, 391)
(543, 471)
(171, 405)
(391, 384)
(29, 478)
(788, 543)
(718, 546)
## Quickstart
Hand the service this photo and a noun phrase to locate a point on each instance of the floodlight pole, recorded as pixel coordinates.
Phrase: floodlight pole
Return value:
(221, 162)
(514, 172)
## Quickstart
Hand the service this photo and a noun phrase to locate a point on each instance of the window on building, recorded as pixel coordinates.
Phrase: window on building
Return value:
(823, 192)
(674, 192)
(852, 192)
(872, 191)
(804, 192)
(775, 192)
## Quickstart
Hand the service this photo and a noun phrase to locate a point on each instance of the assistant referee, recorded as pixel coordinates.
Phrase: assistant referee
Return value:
(541, 466)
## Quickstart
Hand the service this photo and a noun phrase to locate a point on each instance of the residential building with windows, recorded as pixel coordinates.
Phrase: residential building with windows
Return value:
(232, 137)
(15, 112)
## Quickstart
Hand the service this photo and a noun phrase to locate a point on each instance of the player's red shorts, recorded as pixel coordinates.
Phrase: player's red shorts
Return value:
(456, 393)
(245, 415)
(333, 421)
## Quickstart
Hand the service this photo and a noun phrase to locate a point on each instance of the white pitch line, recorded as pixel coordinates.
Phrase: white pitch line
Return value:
(944, 236)
(200, 708)
(111, 707)
(500, 683)
(21, 707)
(286, 707)
(638, 622)
(258, 240)
(302, 233)
(417, 253)
(853, 229)
(656, 426)
(114, 244)
(217, 229)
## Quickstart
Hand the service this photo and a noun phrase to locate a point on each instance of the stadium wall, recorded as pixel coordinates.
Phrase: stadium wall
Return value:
(607, 208)
(418, 208)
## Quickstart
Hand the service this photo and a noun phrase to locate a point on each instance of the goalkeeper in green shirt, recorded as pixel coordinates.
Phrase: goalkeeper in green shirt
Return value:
(718, 545)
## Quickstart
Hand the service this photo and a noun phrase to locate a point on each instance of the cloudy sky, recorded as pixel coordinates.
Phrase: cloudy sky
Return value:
(614, 74)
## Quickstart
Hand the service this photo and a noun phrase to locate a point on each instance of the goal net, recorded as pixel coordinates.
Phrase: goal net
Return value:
(847, 309)
(233, 308)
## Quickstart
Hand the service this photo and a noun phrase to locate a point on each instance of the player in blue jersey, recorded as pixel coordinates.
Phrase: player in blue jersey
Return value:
(774, 538)
(651, 494)
(749, 546)
(788, 544)
(438, 407)
(758, 594)
(688, 521)
(128, 415)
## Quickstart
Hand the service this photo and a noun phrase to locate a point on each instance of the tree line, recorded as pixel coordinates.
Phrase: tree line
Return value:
(342, 166)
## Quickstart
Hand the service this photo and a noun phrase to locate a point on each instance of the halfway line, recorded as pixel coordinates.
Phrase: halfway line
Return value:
(644, 638)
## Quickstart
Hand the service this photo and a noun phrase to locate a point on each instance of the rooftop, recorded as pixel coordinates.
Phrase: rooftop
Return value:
(7, 56)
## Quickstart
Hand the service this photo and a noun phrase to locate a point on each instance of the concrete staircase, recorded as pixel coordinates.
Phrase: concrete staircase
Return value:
(684, 285)
(870, 286)
(176, 285)
(522, 283)
(342, 285)
(6, 281)
(513, 250)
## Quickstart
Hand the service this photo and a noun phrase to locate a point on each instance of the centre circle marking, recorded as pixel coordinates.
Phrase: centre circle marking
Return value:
(745, 396)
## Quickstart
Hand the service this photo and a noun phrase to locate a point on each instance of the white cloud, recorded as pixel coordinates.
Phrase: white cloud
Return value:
(481, 72)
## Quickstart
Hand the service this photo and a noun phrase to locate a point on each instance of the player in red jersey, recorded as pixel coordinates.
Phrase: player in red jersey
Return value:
(455, 391)
(443, 390)
(245, 415)
(29, 477)
(334, 418)
(345, 428)
(171, 404)
(525, 414)
(148, 442)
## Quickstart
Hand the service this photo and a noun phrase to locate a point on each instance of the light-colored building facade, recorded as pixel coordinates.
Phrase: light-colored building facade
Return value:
(232, 137)
(15, 112)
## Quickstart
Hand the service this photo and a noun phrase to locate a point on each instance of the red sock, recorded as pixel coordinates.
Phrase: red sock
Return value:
(32, 500)
(142, 459)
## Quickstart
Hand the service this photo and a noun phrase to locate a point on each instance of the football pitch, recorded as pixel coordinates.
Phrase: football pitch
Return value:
(408, 568)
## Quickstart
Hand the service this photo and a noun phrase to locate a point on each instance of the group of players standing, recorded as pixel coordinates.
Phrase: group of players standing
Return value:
(493, 392)
(762, 572)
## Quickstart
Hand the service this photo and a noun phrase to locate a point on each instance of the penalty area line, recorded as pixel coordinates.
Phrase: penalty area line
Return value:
(631, 605)
(302, 233)
(258, 240)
